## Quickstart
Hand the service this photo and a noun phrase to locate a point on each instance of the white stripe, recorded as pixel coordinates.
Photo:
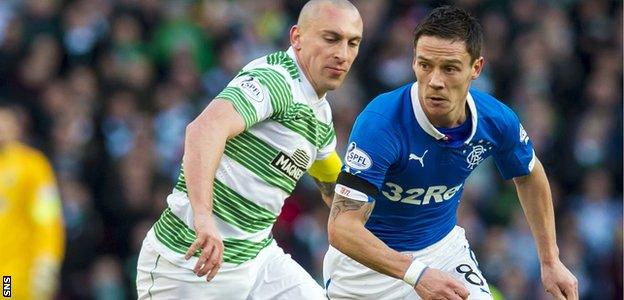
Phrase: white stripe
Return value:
(325, 152)
(473, 114)
(532, 162)
(181, 207)
(282, 138)
(250, 186)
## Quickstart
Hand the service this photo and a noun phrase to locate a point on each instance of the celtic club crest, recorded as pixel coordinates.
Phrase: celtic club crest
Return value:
(476, 155)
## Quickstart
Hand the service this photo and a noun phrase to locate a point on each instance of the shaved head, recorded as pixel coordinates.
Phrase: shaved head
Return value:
(313, 8)
(326, 40)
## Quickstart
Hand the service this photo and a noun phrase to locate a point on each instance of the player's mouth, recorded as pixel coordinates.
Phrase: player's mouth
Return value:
(436, 99)
(336, 71)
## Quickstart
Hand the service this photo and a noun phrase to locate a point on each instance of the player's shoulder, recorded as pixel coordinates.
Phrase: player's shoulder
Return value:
(28, 155)
(489, 107)
(284, 62)
(278, 64)
(387, 106)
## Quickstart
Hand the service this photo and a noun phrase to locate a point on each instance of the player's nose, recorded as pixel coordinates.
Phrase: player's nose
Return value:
(436, 81)
(341, 52)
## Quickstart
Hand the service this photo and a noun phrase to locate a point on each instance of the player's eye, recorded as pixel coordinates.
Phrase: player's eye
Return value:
(331, 39)
(450, 69)
(423, 66)
(354, 43)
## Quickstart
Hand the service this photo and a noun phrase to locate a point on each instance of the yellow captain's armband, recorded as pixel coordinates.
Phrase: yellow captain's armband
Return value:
(326, 170)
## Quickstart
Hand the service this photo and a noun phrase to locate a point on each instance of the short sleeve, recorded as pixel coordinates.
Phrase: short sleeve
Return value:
(373, 147)
(516, 156)
(258, 94)
(328, 143)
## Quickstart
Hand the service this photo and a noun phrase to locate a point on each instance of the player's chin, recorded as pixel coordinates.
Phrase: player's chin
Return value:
(334, 83)
(438, 110)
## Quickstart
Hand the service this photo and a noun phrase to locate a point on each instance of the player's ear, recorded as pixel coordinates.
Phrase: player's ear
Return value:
(295, 37)
(477, 67)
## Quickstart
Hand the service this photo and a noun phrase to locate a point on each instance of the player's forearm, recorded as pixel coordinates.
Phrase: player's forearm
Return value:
(347, 234)
(204, 147)
(360, 244)
(535, 197)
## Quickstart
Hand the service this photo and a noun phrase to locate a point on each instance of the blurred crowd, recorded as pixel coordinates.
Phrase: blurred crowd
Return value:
(106, 88)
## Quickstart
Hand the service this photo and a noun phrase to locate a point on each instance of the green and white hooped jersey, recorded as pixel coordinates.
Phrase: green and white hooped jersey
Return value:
(287, 128)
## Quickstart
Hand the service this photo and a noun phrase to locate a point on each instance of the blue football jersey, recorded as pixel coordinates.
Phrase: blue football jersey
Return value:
(418, 172)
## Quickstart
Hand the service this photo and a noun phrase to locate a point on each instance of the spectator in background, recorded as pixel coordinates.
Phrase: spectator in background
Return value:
(230, 53)
(31, 223)
(597, 213)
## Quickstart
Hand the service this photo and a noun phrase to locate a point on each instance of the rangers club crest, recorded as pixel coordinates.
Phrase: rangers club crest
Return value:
(477, 154)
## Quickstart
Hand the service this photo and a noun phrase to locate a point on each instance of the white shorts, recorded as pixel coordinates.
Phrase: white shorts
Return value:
(271, 275)
(345, 278)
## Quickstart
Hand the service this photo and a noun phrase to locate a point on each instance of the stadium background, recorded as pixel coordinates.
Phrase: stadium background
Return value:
(105, 89)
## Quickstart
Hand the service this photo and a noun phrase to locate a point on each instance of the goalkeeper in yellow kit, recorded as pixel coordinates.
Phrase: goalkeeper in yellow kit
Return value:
(31, 227)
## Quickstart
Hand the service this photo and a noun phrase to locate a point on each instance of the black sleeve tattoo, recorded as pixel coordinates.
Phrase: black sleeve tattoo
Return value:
(343, 204)
(326, 188)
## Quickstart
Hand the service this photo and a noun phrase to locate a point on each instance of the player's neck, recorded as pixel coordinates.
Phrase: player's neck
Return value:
(451, 120)
(306, 72)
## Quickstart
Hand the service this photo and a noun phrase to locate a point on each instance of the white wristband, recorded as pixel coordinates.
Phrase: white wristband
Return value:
(413, 273)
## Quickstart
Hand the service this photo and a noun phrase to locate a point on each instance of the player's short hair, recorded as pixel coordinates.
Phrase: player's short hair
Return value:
(449, 22)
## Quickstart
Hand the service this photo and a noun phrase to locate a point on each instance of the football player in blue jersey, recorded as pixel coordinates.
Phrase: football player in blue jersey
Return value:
(392, 226)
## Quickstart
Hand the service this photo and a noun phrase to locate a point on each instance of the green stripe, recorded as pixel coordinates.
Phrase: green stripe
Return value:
(297, 117)
(329, 136)
(171, 243)
(242, 105)
(283, 59)
(181, 183)
(240, 249)
(279, 89)
(240, 212)
(175, 235)
(256, 155)
(301, 119)
(234, 208)
(242, 203)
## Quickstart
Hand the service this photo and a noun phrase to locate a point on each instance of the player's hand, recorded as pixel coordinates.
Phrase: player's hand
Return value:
(208, 240)
(559, 281)
(435, 284)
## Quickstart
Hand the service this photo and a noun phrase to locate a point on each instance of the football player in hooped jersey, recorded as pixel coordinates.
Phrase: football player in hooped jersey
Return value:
(392, 225)
(243, 156)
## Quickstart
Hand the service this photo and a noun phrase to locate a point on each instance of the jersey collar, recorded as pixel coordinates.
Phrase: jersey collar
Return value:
(426, 125)
(306, 86)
